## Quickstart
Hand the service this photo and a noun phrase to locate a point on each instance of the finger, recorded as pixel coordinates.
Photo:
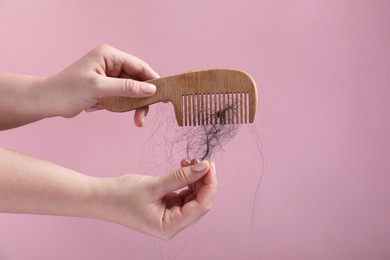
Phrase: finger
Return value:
(194, 161)
(173, 200)
(116, 62)
(189, 198)
(185, 193)
(194, 209)
(108, 86)
(139, 116)
(182, 177)
(93, 108)
(191, 187)
(136, 67)
(202, 202)
(206, 192)
(184, 163)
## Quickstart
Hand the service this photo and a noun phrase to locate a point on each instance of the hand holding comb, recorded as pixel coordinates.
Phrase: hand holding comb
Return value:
(216, 96)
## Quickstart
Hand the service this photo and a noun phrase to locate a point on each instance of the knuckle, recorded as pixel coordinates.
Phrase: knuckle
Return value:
(97, 85)
(203, 209)
(167, 236)
(167, 230)
(140, 68)
(207, 208)
(102, 48)
(94, 82)
(131, 88)
(181, 175)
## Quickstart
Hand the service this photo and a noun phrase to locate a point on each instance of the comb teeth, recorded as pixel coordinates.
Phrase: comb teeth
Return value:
(215, 108)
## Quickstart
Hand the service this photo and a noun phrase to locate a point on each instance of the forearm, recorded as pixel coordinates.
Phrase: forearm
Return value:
(33, 186)
(20, 102)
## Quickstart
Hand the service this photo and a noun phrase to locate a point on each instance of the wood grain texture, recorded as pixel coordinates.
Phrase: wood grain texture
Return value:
(198, 95)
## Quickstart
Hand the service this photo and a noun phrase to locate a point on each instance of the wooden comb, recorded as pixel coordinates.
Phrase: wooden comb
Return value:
(215, 96)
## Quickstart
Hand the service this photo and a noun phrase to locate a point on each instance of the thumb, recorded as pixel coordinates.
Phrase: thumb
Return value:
(182, 177)
(125, 88)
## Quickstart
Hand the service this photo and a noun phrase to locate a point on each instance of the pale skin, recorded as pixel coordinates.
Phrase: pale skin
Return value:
(143, 203)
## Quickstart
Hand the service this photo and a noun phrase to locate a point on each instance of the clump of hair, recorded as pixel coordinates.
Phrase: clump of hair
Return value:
(170, 143)
(203, 141)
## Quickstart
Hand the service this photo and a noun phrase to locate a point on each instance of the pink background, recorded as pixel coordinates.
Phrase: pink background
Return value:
(322, 67)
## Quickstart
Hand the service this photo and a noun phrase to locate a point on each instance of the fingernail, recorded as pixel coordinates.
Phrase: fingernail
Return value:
(199, 166)
(91, 109)
(148, 88)
(214, 169)
(143, 114)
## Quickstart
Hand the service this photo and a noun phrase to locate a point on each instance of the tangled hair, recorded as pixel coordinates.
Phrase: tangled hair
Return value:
(170, 143)
(203, 141)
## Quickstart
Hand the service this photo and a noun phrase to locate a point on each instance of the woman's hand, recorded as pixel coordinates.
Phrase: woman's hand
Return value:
(144, 203)
(151, 205)
(104, 71)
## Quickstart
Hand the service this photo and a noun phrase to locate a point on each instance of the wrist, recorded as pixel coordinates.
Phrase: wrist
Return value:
(121, 200)
(101, 204)
(20, 100)
(43, 98)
